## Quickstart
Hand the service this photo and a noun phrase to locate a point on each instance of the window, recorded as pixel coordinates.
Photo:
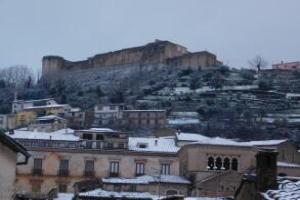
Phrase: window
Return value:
(62, 188)
(114, 168)
(89, 168)
(226, 164)
(139, 169)
(165, 169)
(234, 164)
(86, 136)
(37, 166)
(171, 192)
(219, 163)
(210, 163)
(63, 168)
(99, 137)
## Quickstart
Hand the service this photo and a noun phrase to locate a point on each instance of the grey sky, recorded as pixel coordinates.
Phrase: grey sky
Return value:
(236, 30)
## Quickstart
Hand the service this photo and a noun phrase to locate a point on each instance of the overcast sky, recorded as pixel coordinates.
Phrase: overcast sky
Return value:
(235, 30)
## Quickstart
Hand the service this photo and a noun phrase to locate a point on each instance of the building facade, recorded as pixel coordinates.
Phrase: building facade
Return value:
(197, 165)
(144, 118)
(9, 152)
(107, 115)
(287, 66)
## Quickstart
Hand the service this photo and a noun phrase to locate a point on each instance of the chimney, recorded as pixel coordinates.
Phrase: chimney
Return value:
(266, 169)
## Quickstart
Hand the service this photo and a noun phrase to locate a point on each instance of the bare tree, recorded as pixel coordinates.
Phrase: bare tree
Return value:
(258, 63)
(17, 76)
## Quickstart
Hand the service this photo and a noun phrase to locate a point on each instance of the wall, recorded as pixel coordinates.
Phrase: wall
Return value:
(8, 161)
(152, 53)
(77, 165)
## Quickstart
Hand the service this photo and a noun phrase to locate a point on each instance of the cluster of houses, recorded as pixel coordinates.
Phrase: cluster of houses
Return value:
(97, 163)
(52, 150)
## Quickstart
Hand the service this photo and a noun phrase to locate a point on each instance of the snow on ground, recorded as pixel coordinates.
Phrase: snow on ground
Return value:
(287, 190)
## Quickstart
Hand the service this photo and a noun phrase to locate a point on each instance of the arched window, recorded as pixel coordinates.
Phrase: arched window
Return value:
(219, 163)
(210, 163)
(234, 164)
(171, 192)
(226, 164)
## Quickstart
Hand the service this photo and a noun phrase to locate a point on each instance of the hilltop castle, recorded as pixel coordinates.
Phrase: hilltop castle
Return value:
(154, 53)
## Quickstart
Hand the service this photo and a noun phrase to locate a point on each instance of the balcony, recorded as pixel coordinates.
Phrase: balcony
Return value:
(37, 172)
(63, 172)
(89, 173)
(113, 174)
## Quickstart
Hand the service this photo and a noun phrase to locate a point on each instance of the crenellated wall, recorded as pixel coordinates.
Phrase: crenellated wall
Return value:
(157, 52)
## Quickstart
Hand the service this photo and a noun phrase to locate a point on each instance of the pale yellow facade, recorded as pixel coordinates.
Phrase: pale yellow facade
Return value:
(49, 179)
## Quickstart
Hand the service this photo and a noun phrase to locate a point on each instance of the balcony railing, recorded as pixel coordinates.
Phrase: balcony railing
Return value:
(89, 173)
(37, 172)
(113, 174)
(63, 172)
(85, 144)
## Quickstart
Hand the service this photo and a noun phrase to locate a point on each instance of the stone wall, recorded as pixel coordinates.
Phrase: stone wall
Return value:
(155, 53)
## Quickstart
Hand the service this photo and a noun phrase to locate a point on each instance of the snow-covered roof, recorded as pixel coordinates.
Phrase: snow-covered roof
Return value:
(264, 142)
(193, 137)
(161, 144)
(110, 194)
(182, 121)
(200, 139)
(49, 117)
(286, 164)
(100, 130)
(62, 134)
(144, 110)
(287, 190)
(148, 180)
(45, 106)
(64, 196)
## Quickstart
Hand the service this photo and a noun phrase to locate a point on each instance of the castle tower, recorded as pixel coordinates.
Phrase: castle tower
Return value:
(51, 65)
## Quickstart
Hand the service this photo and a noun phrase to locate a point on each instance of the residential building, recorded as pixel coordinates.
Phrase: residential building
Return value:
(8, 121)
(187, 164)
(11, 155)
(76, 117)
(144, 118)
(287, 66)
(105, 115)
(28, 110)
(48, 123)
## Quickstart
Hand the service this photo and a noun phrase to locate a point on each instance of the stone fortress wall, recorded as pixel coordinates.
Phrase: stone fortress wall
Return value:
(155, 53)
